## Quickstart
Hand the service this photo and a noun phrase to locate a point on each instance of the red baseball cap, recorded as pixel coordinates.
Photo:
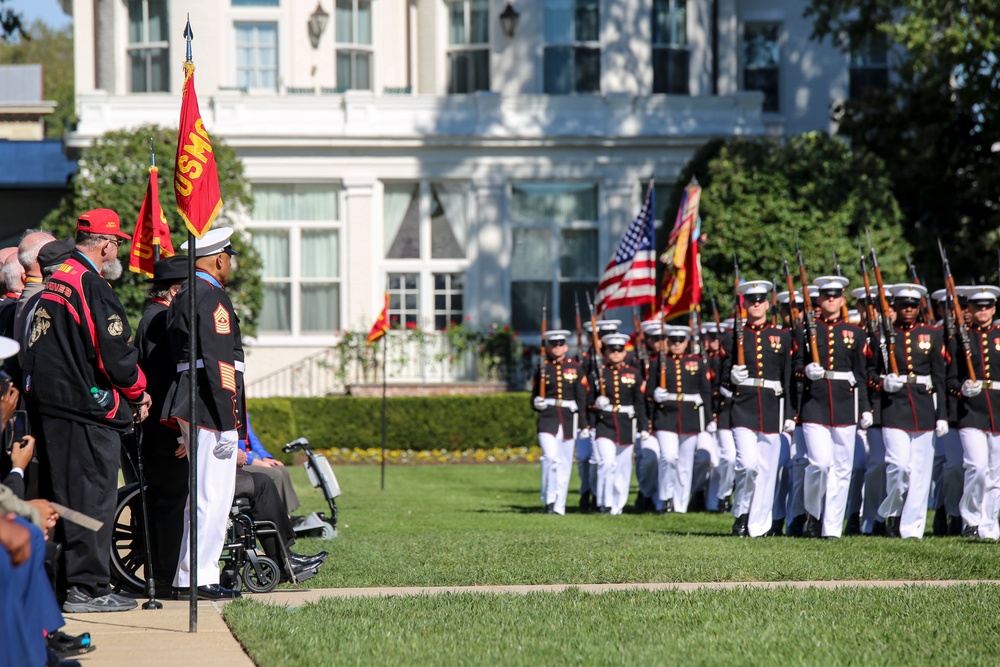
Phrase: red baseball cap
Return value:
(101, 221)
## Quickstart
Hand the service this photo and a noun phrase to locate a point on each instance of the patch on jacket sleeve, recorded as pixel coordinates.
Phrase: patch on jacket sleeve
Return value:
(221, 317)
(115, 327)
(227, 375)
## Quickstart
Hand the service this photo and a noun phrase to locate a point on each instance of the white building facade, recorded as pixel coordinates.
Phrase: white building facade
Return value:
(425, 148)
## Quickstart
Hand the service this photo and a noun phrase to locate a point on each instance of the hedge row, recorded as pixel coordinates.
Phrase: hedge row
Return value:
(412, 422)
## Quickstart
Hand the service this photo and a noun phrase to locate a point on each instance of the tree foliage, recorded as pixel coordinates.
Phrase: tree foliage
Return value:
(53, 49)
(759, 195)
(937, 122)
(114, 173)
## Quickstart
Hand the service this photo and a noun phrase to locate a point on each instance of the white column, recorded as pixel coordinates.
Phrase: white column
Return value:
(363, 287)
(488, 280)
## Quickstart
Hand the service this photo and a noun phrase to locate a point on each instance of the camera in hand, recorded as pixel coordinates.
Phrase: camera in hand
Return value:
(5, 383)
(18, 428)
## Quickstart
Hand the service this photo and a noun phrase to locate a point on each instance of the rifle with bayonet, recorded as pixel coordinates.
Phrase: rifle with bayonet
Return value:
(659, 348)
(544, 359)
(873, 324)
(963, 331)
(837, 272)
(579, 329)
(925, 307)
(774, 303)
(808, 316)
(885, 322)
(596, 347)
(793, 310)
(738, 316)
(640, 341)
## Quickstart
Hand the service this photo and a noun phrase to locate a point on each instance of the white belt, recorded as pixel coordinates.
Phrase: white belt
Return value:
(689, 398)
(624, 409)
(560, 403)
(240, 366)
(923, 380)
(841, 375)
(773, 385)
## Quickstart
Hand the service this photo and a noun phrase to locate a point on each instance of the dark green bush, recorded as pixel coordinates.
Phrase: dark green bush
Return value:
(412, 422)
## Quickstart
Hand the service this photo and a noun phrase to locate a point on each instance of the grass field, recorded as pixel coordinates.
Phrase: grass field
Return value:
(482, 524)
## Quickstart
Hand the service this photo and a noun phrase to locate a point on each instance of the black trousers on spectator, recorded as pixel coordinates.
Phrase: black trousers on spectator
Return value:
(83, 467)
(266, 505)
(166, 492)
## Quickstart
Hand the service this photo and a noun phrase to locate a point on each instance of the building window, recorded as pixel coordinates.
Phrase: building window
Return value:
(468, 46)
(296, 230)
(761, 61)
(354, 39)
(554, 257)
(670, 47)
(257, 55)
(255, 3)
(869, 66)
(572, 60)
(148, 48)
(424, 229)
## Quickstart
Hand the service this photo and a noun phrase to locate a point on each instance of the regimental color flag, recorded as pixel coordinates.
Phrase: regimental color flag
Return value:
(196, 177)
(151, 230)
(630, 277)
(681, 292)
(381, 324)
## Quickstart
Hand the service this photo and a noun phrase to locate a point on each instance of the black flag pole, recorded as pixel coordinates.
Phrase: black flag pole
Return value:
(385, 367)
(193, 400)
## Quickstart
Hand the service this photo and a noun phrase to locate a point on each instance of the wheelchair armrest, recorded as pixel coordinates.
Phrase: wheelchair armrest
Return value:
(295, 445)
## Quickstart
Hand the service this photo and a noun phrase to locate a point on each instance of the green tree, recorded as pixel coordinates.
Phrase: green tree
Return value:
(758, 196)
(114, 173)
(53, 49)
(937, 122)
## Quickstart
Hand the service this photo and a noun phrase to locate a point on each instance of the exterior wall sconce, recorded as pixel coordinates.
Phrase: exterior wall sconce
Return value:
(317, 24)
(508, 20)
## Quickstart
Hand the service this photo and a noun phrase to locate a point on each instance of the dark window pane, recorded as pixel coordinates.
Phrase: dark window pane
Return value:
(440, 301)
(569, 295)
(457, 301)
(440, 322)
(868, 79)
(670, 71)
(526, 301)
(765, 80)
(578, 253)
(588, 70)
(458, 67)
(457, 281)
(480, 70)
(411, 281)
(558, 70)
(587, 20)
(440, 280)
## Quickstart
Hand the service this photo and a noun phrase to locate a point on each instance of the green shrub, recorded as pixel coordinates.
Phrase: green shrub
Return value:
(412, 422)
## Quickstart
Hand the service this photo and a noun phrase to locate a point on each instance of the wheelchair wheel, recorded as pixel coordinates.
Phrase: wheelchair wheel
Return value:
(263, 579)
(128, 546)
(230, 579)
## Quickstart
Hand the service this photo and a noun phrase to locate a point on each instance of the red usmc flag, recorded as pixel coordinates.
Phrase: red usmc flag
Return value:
(196, 177)
(151, 230)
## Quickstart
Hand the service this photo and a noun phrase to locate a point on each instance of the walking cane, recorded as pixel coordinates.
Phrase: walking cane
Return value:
(152, 602)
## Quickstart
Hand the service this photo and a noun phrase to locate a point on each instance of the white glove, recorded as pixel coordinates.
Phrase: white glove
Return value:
(538, 403)
(866, 420)
(603, 403)
(592, 434)
(725, 392)
(644, 435)
(660, 395)
(788, 426)
(712, 427)
(226, 447)
(738, 374)
(892, 383)
(941, 428)
(814, 371)
(970, 388)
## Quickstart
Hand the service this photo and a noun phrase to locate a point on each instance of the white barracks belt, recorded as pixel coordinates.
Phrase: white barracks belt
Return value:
(923, 380)
(841, 375)
(624, 409)
(240, 366)
(688, 398)
(773, 385)
(559, 403)
(991, 385)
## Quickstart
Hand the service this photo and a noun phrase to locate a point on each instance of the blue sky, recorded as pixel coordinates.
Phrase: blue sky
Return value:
(48, 11)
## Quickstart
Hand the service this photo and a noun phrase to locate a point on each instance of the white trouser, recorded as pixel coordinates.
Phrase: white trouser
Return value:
(647, 457)
(586, 470)
(557, 465)
(828, 475)
(216, 485)
(856, 489)
(952, 473)
(909, 460)
(979, 505)
(798, 461)
(755, 472)
(874, 480)
(720, 485)
(706, 458)
(614, 474)
(783, 482)
(675, 458)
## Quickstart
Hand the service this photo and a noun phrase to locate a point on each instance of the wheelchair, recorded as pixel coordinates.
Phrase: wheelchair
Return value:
(241, 564)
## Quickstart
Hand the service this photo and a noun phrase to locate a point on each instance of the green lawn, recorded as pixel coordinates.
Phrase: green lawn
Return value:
(482, 524)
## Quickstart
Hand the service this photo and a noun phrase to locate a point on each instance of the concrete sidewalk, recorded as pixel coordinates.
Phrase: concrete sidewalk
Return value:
(140, 638)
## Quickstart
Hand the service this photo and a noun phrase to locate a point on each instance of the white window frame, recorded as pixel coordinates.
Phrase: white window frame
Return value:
(673, 45)
(574, 45)
(777, 67)
(146, 47)
(467, 46)
(355, 47)
(295, 228)
(424, 265)
(555, 229)
(256, 68)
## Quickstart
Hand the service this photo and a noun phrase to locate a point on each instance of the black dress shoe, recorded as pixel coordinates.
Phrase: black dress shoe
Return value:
(878, 529)
(940, 525)
(796, 526)
(853, 526)
(585, 501)
(814, 528)
(725, 505)
(971, 531)
(740, 525)
(954, 525)
(605, 510)
(892, 526)
(777, 528)
(639, 505)
(217, 592)
(697, 503)
(550, 508)
(668, 506)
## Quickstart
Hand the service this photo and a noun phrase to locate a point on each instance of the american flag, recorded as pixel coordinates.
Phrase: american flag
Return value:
(630, 277)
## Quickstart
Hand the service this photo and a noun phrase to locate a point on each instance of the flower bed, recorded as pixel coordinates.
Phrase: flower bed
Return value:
(372, 455)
